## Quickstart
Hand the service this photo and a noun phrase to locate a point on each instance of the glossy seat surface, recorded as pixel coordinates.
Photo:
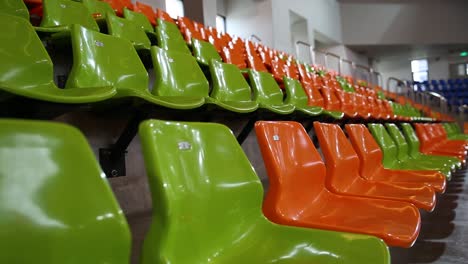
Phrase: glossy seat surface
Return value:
(123, 28)
(370, 156)
(403, 151)
(297, 194)
(139, 19)
(14, 8)
(429, 144)
(391, 155)
(27, 69)
(56, 199)
(60, 15)
(296, 96)
(343, 172)
(192, 180)
(414, 146)
(170, 38)
(230, 89)
(204, 52)
(105, 68)
(453, 131)
(268, 94)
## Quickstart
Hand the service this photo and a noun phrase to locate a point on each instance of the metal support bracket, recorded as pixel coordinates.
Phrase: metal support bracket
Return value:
(246, 130)
(112, 159)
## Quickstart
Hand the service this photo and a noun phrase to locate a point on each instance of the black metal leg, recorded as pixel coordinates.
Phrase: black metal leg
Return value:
(113, 159)
(246, 130)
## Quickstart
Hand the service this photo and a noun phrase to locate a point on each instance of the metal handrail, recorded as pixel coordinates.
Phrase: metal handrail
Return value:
(253, 36)
(324, 56)
(311, 50)
(335, 56)
(393, 79)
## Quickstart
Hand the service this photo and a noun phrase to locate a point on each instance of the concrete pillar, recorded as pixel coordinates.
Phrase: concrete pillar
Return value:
(202, 11)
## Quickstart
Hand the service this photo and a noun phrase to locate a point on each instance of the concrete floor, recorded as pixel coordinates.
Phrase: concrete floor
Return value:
(443, 238)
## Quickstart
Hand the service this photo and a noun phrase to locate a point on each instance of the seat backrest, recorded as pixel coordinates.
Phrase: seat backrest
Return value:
(177, 74)
(331, 102)
(170, 38)
(254, 60)
(295, 94)
(146, 10)
(294, 167)
(399, 139)
(101, 60)
(192, 181)
(55, 199)
(265, 89)
(411, 138)
(123, 28)
(228, 83)
(341, 160)
(423, 136)
(369, 152)
(98, 9)
(25, 62)
(204, 51)
(66, 13)
(386, 144)
(139, 19)
(234, 56)
(14, 8)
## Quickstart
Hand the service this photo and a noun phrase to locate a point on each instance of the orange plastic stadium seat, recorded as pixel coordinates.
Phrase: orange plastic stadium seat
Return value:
(430, 144)
(128, 4)
(147, 10)
(331, 101)
(370, 156)
(266, 54)
(361, 106)
(348, 105)
(343, 174)
(297, 195)
(253, 59)
(233, 56)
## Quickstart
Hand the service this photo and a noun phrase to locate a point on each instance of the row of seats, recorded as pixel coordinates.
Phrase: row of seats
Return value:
(264, 78)
(455, 91)
(336, 210)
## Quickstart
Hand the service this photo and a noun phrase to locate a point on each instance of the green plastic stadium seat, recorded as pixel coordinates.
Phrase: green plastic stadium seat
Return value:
(395, 159)
(230, 89)
(138, 19)
(403, 151)
(296, 96)
(14, 8)
(60, 15)
(192, 180)
(107, 59)
(453, 132)
(413, 143)
(57, 207)
(123, 28)
(204, 52)
(170, 38)
(27, 69)
(268, 94)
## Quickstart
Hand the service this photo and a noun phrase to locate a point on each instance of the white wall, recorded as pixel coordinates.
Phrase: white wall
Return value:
(405, 22)
(322, 16)
(247, 17)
